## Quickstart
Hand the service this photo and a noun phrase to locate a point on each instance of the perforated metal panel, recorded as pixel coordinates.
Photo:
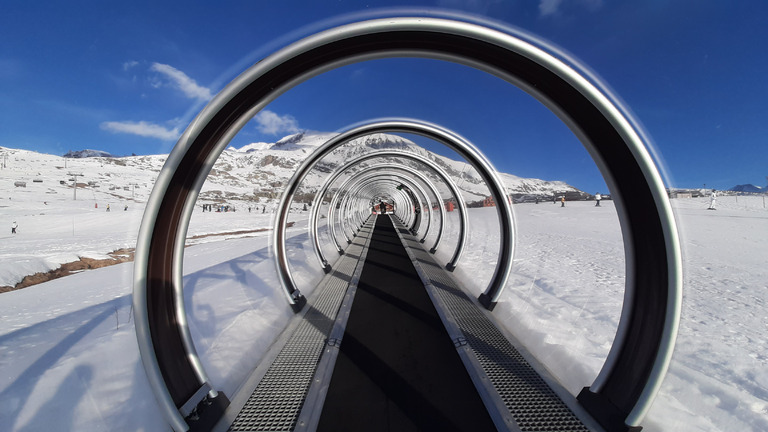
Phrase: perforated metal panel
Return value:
(276, 402)
(533, 405)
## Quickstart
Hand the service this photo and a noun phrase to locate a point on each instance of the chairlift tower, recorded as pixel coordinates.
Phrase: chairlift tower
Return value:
(74, 183)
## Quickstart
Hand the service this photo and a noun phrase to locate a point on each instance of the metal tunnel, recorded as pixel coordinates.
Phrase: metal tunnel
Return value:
(622, 393)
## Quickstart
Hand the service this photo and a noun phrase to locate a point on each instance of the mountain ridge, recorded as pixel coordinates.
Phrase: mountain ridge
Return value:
(750, 188)
(257, 172)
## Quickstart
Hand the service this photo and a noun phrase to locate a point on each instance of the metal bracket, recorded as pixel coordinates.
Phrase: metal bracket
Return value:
(459, 342)
(298, 301)
(486, 301)
(190, 406)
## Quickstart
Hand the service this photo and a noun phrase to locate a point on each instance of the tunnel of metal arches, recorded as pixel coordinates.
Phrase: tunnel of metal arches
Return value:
(413, 190)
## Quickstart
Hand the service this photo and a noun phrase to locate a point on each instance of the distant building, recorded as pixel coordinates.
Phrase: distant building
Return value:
(681, 193)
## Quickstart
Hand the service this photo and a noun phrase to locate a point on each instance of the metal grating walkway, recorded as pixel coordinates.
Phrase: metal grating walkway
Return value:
(276, 402)
(516, 396)
(530, 403)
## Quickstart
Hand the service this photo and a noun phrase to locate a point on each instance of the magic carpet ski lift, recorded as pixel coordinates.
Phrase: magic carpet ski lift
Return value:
(639, 357)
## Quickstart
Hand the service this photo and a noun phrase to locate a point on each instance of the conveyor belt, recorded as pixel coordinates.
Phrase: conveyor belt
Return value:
(409, 350)
(397, 368)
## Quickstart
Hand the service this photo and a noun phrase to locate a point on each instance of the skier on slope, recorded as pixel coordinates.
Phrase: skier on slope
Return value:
(712, 201)
(14, 225)
(598, 197)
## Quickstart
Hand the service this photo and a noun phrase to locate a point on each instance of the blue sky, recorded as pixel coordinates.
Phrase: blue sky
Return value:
(128, 77)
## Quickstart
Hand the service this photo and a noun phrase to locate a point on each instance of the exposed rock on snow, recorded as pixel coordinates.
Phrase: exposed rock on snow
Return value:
(86, 154)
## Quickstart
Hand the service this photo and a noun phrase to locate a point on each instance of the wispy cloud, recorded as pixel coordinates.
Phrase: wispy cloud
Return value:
(553, 7)
(549, 7)
(164, 76)
(273, 124)
(129, 64)
(181, 81)
(142, 128)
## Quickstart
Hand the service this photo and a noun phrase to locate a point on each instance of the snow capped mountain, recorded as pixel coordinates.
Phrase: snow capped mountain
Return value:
(268, 167)
(748, 188)
(252, 173)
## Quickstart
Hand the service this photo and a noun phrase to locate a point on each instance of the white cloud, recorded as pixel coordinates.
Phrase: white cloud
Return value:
(129, 64)
(273, 124)
(181, 81)
(142, 128)
(549, 7)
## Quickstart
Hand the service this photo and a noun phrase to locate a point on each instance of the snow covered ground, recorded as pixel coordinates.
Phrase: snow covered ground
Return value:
(69, 360)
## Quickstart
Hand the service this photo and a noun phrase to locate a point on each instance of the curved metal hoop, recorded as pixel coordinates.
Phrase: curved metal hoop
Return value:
(361, 207)
(287, 282)
(363, 180)
(315, 212)
(642, 349)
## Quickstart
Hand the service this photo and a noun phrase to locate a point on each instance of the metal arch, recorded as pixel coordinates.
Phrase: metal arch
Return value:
(402, 210)
(368, 184)
(319, 197)
(416, 213)
(503, 207)
(430, 131)
(423, 193)
(343, 213)
(331, 221)
(411, 184)
(643, 346)
(358, 184)
(346, 212)
(342, 207)
(335, 199)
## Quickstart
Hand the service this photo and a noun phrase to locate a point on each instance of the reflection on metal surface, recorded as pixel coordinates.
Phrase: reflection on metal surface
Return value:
(642, 349)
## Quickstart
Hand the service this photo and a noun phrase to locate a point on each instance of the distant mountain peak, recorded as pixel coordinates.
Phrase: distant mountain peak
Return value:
(252, 147)
(290, 139)
(86, 154)
(749, 188)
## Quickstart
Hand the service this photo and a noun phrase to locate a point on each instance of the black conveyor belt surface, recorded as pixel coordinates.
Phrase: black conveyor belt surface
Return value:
(397, 368)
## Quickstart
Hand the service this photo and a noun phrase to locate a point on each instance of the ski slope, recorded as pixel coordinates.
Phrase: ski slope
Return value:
(69, 360)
